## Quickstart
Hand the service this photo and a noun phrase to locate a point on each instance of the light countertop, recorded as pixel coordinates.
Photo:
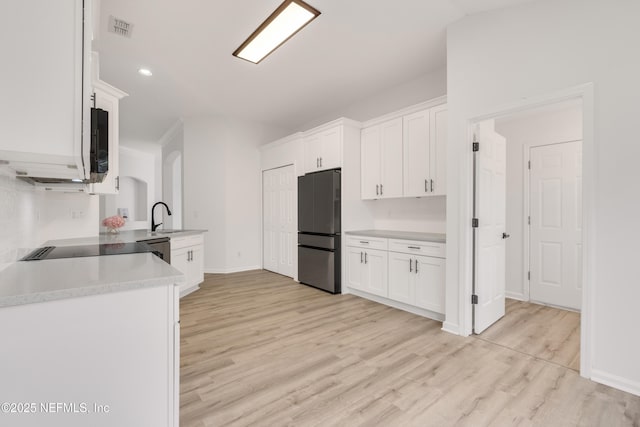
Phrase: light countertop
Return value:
(27, 282)
(401, 235)
(125, 236)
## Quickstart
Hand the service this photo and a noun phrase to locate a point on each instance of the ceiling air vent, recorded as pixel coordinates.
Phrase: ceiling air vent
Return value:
(120, 27)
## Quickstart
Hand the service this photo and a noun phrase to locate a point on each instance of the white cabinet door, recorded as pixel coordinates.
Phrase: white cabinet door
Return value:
(197, 265)
(312, 153)
(401, 277)
(180, 261)
(438, 150)
(370, 158)
(381, 160)
(323, 150)
(330, 156)
(45, 85)
(376, 266)
(355, 269)
(187, 256)
(391, 159)
(429, 280)
(416, 154)
(108, 99)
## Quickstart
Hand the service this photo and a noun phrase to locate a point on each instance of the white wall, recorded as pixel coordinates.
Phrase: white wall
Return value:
(142, 162)
(223, 189)
(423, 88)
(28, 218)
(501, 57)
(542, 127)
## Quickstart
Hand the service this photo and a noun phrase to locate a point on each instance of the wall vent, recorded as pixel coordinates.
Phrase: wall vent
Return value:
(120, 27)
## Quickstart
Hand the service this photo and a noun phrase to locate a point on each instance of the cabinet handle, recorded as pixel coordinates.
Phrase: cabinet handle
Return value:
(118, 183)
(365, 257)
(416, 266)
(432, 186)
(364, 242)
(410, 266)
(320, 161)
(360, 257)
(413, 247)
(426, 189)
(317, 162)
(381, 192)
(377, 193)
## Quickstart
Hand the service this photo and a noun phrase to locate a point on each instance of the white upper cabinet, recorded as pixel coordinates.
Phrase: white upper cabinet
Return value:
(323, 150)
(45, 86)
(107, 98)
(381, 159)
(403, 154)
(425, 136)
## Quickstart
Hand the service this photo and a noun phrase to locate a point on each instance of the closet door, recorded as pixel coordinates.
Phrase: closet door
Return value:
(278, 220)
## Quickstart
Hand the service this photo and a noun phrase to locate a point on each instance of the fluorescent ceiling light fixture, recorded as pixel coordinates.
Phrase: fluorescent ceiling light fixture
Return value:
(145, 72)
(289, 18)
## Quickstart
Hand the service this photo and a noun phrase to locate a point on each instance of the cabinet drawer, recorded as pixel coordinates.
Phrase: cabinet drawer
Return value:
(367, 242)
(185, 241)
(419, 248)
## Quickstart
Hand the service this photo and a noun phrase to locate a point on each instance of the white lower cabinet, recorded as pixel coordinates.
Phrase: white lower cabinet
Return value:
(367, 270)
(187, 256)
(400, 274)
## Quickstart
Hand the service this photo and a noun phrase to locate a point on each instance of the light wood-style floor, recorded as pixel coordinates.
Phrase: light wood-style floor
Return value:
(259, 349)
(547, 333)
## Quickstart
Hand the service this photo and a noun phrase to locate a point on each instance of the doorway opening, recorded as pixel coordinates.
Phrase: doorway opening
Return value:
(528, 239)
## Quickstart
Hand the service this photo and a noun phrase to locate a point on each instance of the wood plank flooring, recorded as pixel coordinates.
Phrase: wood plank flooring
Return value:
(547, 333)
(261, 350)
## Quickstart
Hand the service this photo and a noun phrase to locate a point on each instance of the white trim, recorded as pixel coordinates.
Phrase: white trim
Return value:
(395, 304)
(189, 290)
(171, 132)
(589, 173)
(209, 270)
(342, 121)
(615, 381)
(516, 295)
(434, 102)
(452, 328)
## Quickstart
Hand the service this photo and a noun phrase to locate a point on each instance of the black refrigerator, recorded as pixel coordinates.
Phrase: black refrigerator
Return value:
(319, 230)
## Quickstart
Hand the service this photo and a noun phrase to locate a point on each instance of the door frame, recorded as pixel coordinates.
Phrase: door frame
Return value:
(585, 93)
(526, 253)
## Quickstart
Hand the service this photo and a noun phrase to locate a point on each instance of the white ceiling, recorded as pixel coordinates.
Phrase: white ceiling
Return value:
(354, 49)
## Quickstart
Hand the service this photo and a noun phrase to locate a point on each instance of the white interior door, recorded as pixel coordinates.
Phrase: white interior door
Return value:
(278, 220)
(556, 224)
(491, 212)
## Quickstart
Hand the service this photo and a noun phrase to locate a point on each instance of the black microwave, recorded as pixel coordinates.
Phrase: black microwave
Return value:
(99, 151)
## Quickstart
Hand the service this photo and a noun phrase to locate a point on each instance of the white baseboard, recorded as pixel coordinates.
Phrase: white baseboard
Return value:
(615, 381)
(516, 295)
(231, 270)
(451, 328)
(188, 291)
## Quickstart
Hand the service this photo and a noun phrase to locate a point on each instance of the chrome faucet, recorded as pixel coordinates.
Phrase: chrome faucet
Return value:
(153, 222)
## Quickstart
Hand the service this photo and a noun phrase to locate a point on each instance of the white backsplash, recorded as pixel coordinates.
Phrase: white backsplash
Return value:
(28, 217)
(424, 214)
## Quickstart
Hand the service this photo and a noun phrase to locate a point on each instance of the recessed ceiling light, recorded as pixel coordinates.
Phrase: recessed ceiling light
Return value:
(145, 72)
(289, 18)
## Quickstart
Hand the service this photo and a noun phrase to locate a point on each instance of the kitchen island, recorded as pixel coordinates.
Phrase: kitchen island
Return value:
(90, 341)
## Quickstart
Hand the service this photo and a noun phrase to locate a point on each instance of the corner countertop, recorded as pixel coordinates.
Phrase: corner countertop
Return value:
(125, 236)
(28, 282)
(402, 235)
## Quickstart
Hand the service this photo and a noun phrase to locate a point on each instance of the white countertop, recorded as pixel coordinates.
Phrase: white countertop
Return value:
(125, 236)
(27, 282)
(402, 235)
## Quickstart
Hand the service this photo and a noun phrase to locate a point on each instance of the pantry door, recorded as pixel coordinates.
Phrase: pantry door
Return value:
(279, 186)
(489, 267)
(555, 186)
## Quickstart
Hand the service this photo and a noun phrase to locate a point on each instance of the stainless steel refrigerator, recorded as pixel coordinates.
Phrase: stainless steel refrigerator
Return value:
(319, 230)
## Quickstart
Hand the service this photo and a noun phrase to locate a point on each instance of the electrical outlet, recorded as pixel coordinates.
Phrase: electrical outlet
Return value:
(77, 214)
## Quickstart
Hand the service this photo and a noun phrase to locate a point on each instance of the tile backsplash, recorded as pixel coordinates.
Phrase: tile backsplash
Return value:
(29, 217)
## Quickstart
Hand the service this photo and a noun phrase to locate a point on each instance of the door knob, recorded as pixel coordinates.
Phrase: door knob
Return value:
(505, 235)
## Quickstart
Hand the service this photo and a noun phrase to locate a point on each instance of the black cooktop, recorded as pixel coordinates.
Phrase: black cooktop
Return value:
(56, 252)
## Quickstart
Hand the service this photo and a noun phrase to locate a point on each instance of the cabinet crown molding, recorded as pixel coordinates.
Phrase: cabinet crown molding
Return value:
(405, 111)
(342, 121)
